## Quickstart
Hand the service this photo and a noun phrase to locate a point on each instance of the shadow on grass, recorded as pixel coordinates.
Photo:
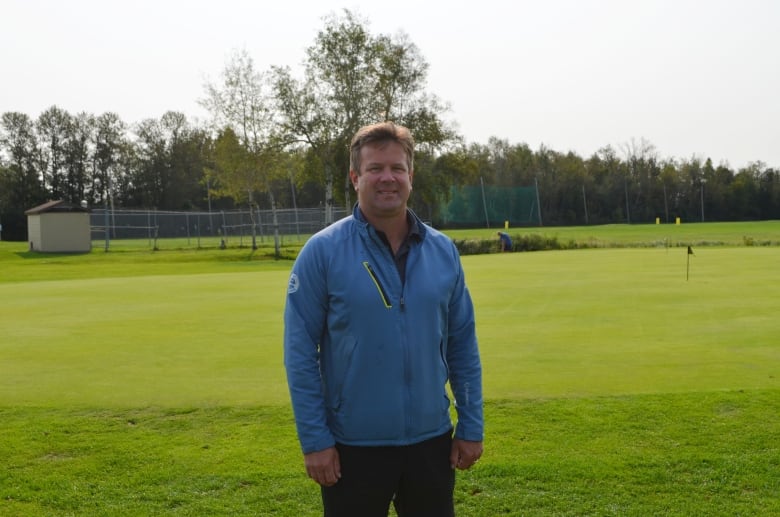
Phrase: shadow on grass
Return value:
(37, 255)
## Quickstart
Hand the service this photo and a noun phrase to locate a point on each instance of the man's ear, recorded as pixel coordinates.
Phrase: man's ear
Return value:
(353, 176)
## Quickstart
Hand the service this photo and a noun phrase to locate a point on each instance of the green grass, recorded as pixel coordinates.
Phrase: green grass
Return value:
(617, 321)
(763, 233)
(151, 383)
(20, 265)
(683, 454)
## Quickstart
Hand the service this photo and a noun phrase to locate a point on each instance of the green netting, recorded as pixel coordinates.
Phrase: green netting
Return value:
(477, 206)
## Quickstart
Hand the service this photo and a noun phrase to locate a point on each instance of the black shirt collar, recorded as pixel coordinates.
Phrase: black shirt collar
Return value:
(414, 234)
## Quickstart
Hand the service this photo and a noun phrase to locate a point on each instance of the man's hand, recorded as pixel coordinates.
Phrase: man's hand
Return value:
(323, 466)
(464, 453)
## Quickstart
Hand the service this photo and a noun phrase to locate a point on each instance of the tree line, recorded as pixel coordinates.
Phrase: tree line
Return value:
(276, 140)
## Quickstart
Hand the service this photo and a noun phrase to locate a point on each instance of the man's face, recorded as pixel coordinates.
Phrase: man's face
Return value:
(385, 181)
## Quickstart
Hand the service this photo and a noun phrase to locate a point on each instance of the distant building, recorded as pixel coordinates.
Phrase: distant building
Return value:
(58, 227)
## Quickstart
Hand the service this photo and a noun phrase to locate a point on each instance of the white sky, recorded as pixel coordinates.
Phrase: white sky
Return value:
(692, 77)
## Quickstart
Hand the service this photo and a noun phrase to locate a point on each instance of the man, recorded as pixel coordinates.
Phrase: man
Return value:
(504, 241)
(377, 320)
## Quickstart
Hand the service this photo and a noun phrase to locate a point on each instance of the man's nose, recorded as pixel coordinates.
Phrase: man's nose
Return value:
(386, 174)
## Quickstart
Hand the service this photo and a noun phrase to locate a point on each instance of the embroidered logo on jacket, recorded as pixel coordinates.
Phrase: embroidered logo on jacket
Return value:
(293, 284)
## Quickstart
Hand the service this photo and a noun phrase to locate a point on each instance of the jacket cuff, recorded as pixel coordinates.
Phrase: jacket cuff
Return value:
(318, 445)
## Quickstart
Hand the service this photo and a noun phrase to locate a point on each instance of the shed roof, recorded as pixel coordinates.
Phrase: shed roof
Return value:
(55, 206)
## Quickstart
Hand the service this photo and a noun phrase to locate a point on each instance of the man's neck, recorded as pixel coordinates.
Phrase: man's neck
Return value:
(395, 228)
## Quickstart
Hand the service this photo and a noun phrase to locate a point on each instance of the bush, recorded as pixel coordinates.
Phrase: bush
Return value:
(530, 242)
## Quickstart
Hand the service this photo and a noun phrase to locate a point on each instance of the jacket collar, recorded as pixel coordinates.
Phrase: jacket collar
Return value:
(417, 229)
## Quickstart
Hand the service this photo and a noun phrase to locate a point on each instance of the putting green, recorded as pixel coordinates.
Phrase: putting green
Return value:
(570, 323)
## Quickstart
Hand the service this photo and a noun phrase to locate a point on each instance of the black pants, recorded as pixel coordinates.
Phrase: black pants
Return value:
(416, 478)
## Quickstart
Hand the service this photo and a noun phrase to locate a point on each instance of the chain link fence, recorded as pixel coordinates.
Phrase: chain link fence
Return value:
(491, 206)
(205, 229)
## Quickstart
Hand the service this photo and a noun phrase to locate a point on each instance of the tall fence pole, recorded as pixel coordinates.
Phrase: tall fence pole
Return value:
(484, 203)
(538, 204)
(585, 204)
(105, 217)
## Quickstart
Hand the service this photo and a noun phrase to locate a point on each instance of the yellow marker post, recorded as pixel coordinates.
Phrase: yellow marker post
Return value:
(677, 221)
(506, 225)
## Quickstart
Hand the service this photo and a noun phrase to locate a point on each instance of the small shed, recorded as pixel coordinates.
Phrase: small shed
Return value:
(59, 227)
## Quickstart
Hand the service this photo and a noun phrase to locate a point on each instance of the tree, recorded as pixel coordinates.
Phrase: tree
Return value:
(110, 148)
(718, 184)
(433, 185)
(305, 121)
(54, 129)
(236, 178)
(769, 193)
(78, 149)
(331, 103)
(400, 95)
(744, 192)
(20, 185)
(351, 79)
(668, 179)
(640, 180)
(242, 103)
(606, 198)
(688, 196)
(170, 163)
(19, 140)
(150, 172)
(568, 189)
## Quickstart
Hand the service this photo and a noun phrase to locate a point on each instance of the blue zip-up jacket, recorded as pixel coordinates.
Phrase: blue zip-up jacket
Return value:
(367, 356)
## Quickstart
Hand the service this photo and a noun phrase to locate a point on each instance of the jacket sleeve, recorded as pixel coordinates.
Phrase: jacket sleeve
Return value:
(304, 324)
(464, 363)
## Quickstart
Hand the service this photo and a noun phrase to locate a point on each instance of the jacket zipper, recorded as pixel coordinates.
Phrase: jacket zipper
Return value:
(379, 287)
